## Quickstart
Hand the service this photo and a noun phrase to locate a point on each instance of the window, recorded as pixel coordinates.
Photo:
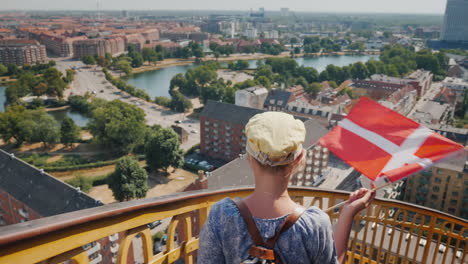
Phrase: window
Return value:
(455, 193)
(434, 197)
(436, 188)
(438, 180)
(451, 210)
(439, 171)
(453, 202)
(460, 176)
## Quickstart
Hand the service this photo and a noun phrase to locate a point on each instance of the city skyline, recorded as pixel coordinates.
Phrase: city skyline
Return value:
(338, 6)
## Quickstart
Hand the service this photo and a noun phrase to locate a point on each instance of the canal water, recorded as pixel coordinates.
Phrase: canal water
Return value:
(156, 83)
(2, 98)
(79, 119)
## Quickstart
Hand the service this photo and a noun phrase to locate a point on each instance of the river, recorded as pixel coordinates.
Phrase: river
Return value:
(156, 83)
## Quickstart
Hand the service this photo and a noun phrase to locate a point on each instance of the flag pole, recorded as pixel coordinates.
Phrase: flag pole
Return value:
(338, 205)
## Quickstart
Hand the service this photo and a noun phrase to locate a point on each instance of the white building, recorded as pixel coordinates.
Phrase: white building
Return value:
(456, 84)
(251, 33)
(253, 97)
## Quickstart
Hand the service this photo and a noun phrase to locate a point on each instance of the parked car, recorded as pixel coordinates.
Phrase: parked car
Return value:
(154, 224)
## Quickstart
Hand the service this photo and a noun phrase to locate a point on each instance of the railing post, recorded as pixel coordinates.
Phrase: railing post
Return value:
(429, 239)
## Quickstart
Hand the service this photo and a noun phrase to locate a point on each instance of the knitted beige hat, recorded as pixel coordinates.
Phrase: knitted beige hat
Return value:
(274, 138)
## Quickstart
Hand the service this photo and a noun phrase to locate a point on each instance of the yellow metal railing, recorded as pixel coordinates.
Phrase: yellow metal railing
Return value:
(387, 232)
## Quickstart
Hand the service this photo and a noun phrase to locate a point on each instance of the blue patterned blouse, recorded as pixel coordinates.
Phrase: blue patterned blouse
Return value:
(224, 237)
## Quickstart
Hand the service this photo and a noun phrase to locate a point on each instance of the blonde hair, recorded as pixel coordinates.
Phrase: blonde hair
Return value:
(284, 170)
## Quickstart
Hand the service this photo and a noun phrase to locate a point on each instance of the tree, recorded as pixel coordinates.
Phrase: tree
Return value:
(12, 70)
(241, 65)
(124, 66)
(179, 103)
(264, 70)
(311, 40)
(40, 89)
(264, 81)
(163, 149)
(137, 59)
(3, 69)
(70, 75)
(45, 128)
(359, 71)
(314, 88)
(178, 81)
(149, 55)
(89, 60)
(11, 124)
(293, 41)
(22, 87)
(312, 48)
(118, 125)
(55, 83)
(129, 180)
(214, 91)
(69, 132)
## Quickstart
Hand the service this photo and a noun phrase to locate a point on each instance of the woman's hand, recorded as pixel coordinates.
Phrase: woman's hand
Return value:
(358, 201)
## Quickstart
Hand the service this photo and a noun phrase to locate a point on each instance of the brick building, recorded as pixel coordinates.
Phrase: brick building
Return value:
(61, 46)
(20, 52)
(443, 187)
(376, 89)
(421, 80)
(27, 193)
(113, 45)
(222, 129)
(222, 136)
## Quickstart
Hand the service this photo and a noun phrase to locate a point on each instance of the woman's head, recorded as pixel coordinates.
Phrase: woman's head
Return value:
(274, 143)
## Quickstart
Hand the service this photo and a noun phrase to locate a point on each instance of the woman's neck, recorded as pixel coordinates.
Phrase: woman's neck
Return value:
(270, 198)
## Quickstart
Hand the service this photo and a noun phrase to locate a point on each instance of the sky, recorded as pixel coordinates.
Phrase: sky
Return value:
(341, 6)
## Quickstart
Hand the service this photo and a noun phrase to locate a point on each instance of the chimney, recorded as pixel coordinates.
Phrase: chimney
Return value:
(201, 175)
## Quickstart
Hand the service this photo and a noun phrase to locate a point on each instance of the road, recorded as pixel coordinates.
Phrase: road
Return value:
(429, 95)
(92, 80)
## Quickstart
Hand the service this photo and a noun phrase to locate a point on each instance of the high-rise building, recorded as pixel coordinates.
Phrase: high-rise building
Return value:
(456, 21)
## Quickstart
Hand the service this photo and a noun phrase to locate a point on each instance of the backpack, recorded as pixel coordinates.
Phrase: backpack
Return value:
(263, 252)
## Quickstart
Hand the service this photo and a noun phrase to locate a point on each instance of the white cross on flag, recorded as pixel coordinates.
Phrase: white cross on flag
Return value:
(384, 145)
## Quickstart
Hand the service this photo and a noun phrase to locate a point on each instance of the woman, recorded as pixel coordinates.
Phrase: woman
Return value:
(274, 153)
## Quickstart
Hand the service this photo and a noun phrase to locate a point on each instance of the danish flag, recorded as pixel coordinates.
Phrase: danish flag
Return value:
(384, 145)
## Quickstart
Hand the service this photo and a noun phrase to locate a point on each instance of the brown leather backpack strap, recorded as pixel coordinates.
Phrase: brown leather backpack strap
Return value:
(248, 219)
(288, 223)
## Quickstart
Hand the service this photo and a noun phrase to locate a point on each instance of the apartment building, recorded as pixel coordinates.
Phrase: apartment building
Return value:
(420, 79)
(91, 47)
(376, 89)
(443, 187)
(59, 45)
(21, 52)
(401, 101)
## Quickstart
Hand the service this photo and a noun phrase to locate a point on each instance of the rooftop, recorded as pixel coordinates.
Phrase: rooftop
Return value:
(43, 193)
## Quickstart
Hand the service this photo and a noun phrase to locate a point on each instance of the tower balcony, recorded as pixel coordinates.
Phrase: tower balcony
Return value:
(387, 232)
